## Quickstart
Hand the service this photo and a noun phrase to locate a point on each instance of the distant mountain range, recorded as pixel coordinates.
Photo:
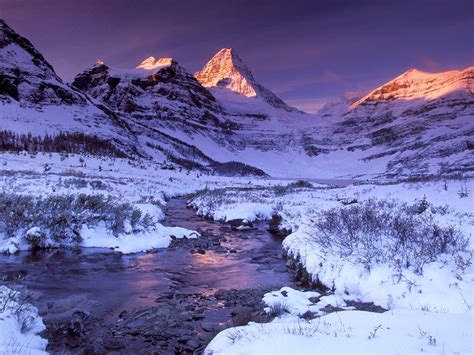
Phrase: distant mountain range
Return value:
(416, 124)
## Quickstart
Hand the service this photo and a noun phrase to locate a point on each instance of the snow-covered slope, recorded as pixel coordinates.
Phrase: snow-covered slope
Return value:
(420, 123)
(157, 90)
(33, 99)
(417, 85)
(227, 70)
(105, 112)
(417, 124)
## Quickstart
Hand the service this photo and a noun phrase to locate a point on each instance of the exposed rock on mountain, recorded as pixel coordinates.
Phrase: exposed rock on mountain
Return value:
(157, 89)
(35, 100)
(416, 124)
(227, 70)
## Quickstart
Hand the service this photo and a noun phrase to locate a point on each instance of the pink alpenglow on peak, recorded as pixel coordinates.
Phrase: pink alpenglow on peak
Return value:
(416, 84)
(227, 70)
(151, 63)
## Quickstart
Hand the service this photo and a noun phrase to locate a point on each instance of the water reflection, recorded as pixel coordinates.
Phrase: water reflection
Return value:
(110, 282)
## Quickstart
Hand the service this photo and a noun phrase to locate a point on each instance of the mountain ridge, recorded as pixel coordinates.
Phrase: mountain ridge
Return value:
(159, 111)
(416, 84)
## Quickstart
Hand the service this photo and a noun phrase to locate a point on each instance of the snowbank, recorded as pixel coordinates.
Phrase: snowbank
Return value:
(429, 311)
(394, 332)
(157, 237)
(248, 211)
(19, 325)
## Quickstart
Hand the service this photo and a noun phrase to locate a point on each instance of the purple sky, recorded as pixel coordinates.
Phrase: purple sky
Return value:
(307, 52)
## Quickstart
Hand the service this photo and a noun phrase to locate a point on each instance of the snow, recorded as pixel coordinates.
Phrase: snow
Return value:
(248, 211)
(151, 63)
(424, 310)
(158, 237)
(19, 325)
(394, 332)
(144, 69)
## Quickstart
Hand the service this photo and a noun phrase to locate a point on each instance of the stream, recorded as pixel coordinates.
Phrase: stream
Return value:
(173, 300)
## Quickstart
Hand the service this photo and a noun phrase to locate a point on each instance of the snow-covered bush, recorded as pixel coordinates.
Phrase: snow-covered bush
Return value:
(19, 324)
(56, 220)
(383, 231)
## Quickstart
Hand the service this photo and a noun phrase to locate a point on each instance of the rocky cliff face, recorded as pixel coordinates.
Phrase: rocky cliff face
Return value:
(27, 78)
(415, 85)
(157, 90)
(33, 99)
(227, 70)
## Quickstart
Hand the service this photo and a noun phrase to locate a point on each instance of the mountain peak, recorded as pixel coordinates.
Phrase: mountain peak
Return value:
(8, 37)
(151, 63)
(415, 84)
(226, 69)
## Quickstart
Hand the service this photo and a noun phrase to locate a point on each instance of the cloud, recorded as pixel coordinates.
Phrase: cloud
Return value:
(333, 77)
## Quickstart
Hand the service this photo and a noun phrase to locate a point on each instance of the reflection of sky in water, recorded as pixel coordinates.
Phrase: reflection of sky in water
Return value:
(114, 282)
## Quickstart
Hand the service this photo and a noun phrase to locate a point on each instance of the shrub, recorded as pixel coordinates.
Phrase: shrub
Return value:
(56, 220)
(300, 184)
(17, 304)
(385, 232)
(463, 191)
(280, 190)
(278, 309)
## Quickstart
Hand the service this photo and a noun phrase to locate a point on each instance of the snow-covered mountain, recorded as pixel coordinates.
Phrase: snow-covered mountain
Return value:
(102, 113)
(34, 100)
(418, 85)
(226, 70)
(416, 124)
(420, 123)
(158, 90)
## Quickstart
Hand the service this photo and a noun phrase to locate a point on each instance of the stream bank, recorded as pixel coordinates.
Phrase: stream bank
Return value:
(164, 301)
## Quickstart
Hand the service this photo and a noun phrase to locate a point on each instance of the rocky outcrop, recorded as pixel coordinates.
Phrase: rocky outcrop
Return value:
(26, 77)
(157, 90)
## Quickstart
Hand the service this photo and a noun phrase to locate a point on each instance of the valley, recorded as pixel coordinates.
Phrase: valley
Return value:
(151, 210)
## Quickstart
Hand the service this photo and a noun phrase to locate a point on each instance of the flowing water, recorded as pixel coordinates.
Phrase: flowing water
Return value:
(106, 286)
